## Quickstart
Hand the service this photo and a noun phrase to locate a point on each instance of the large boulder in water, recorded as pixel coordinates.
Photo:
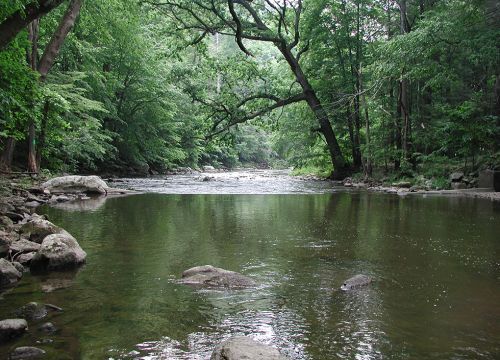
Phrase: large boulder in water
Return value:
(244, 348)
(210, 276)
(11, 329)
(9, 275)
(356, 282)
(76, 184)
(58, 252)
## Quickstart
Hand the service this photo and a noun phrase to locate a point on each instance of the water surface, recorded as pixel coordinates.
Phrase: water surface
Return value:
(435, 260)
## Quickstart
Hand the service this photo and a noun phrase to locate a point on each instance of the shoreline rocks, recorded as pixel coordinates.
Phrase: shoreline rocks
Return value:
(245, 348)
(9, 275)
(76, 184)
(210, 276)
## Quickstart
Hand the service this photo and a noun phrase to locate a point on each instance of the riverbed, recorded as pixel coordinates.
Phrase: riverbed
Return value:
(435, 261)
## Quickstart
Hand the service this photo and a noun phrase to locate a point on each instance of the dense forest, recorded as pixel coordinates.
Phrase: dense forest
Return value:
(400, 88)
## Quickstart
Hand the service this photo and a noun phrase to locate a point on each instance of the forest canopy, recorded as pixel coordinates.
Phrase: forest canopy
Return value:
(338, 87)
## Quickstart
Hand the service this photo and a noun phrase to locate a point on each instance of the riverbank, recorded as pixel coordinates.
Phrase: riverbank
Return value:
(404, 188)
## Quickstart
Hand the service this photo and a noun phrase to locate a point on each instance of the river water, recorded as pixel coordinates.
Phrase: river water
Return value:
(436, 261)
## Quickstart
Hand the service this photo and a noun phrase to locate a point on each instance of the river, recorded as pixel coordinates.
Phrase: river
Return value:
(435, 261)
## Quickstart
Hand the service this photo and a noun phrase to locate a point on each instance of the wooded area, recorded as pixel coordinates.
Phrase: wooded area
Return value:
(397, 88)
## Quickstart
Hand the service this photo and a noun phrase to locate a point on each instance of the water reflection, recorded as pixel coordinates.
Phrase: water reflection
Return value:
(435, 262)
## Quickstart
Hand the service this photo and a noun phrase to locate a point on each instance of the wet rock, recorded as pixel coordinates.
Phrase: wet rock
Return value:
(208, 168)
(59, 198)
(24, 246)
(25, 259)
(32, 311)
(211, 276)
(9, 275)
(48, 328)
(26, 352)
(456, 176)
(14, 216)
(355, 282)
(32, 204)
(19, 267)
(208, 178)
(76, 184)
(38, 228)
(11, 329)
(244, 348)
(58, 252)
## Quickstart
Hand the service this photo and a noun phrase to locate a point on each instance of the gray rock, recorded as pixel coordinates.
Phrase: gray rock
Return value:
(5, 221)
(24, 246)
(456, 176)
(33, 311)
(58, 252)
(402, 184)
(48, 328)
(32, 204)
(244, 348)
(6, 207)
(25, 259)
(211, 276)
(208, 168)
(11, 329)
(9, 275)
(14, 216)
(19, 267)
(458, 185)
(355, 282)
(26, 352)
(76, 184)
(38, 228)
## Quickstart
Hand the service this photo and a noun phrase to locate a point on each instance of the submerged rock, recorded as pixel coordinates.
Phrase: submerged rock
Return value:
(58, 252)
(76, 184)
(26, 352)
(11, 329)
(244, 348)
(36, 311)
(9, 275)
(48, 328)
(208, 275)
(355, 282)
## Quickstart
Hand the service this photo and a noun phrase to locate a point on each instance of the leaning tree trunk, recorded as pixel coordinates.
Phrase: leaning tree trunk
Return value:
(340, 167)
(46, 62)
(17, 21)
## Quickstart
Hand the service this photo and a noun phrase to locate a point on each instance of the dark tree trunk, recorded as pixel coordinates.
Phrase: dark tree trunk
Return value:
(13, 24)
(403, 105)
(340, 166)
(43, 133)
(7, 154)
(32, 60)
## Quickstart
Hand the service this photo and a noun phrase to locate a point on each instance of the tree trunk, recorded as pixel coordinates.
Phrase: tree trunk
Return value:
(17, 21)
(53, 47)
(403, 106)
(32, 60)
(43, 133)
(340, 167)
(7, 154)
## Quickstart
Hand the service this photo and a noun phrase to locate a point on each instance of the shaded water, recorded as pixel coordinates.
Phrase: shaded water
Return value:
(436, 261)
